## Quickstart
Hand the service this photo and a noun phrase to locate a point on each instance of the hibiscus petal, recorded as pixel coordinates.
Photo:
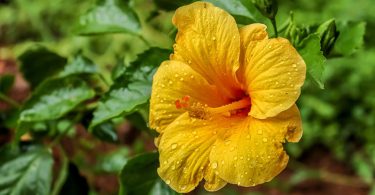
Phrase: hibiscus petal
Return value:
(274, 73)
(249, 35)
(173, 82)
(208, 40)
(184, 148)
(213, 181)
(251, 152)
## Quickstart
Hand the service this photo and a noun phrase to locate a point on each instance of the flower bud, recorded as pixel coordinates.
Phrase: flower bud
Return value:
(328, 35)
(268, 8)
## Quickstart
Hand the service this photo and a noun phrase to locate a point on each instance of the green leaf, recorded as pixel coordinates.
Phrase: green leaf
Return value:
(350, 38)
(108, 16)
(132, 89)
(314, 58)
(171, 5)
(6, 83)
(105, 131)
(363, 168)
(79, 65)
(139, 176)
(38, 63)
(242, 11)
(113, 162)
(27, 173)
(54, 98)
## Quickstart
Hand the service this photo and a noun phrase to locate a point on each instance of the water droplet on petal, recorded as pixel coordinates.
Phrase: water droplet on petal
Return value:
(260, 131)
(213, 38)
(174, 146)
(214, 165)
(265, 139)
(294, 65)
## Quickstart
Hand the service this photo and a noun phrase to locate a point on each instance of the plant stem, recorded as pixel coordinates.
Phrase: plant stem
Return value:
(62, 174)
(144, 41)
(9, 101)
(273, 21)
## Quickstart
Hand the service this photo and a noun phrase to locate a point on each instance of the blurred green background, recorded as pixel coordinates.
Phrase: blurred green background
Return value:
(336, 154)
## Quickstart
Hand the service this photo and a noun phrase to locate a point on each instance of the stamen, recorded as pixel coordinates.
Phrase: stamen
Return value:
(234, 106)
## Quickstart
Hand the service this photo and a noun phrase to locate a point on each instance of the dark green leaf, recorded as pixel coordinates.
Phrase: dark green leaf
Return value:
(171, 5)
(132, 89)
(6, 83)
(28, 173)
(314, 58)
(105, 131)
(54, 98)
(108, 16)
(242, 11)
(78, 65)
(350, 38)
(38, 63)
(139, 176)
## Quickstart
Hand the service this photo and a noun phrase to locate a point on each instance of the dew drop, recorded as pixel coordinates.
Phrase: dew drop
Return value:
(214, 38)
(214, 165)
(291, 85)
(192, 76)
(222, 162)
(260, 131)
(235, 158)
(294, 65)
(168, 181)
(174, 146)
(170, 82)
(189, 61)
(165, 162)
(176, 75)
(265, 140)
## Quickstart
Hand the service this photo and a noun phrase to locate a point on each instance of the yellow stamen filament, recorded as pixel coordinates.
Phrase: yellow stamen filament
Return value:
(240, 104)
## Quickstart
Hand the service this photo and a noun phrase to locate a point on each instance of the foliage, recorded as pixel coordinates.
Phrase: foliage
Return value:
(89, 68)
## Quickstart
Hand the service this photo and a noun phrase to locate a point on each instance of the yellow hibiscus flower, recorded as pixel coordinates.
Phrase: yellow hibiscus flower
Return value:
(225, 102)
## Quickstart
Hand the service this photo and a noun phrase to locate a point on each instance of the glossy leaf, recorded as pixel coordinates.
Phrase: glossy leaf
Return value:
(314, 58)
(79, 65)
(38, 63)
(139, 176)
(350, 38)
(132, 89)
(108, 16)
(55, 98)
(242, 11)
(27, 173)
(105, 131)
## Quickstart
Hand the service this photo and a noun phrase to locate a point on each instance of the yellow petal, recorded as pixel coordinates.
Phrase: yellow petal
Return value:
(213, 181)
(208, 40)
(184, 149)
(251, 152)
(274, 73)
(172, 82)
(249, 35)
